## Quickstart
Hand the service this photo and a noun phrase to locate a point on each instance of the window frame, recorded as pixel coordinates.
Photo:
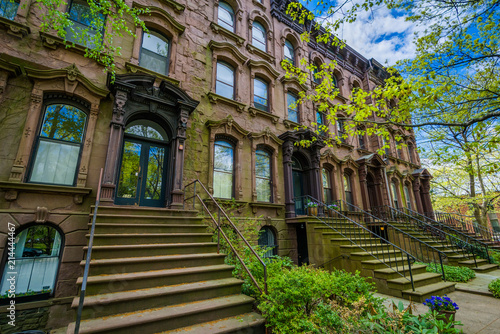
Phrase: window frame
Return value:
(395, 195)
(270, 179)
(258, 105)
(327, 190)
(406, 192)
(256, 25)
(296, 110)
(223, 5)
(291, 49)
(233, 172)
(34, 151)
(70, 6)
(341, 130)
(4, 3)
(274, 247)
(233, 70)
(348, 188)
(169, 43)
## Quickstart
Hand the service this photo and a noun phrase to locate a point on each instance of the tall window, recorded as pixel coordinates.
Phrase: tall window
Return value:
(316, 70)
(154, 52)
(361, 139)
(59, 144)
(259, 36)
(411, 153)
(407, 197)
(223, 169)
(8, 9)
(327, 186)
(341, 130)
(37, 255)
(394, 188)
(289, 52)
(263, 176)
(320, 121)
(399, 150)
(89, 27)
(293, 108)
(226, 16)
(267, 239)
(348, 190)
(387, 149)
(260, 94)
(334, 81)
(224, 85)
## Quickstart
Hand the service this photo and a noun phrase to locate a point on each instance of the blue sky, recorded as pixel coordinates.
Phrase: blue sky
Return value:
(382, 34)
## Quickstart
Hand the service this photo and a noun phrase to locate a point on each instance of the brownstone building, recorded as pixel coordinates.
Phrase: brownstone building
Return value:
(203, 96)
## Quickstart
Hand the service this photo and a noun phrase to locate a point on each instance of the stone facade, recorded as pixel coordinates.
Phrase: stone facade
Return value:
(35, 68)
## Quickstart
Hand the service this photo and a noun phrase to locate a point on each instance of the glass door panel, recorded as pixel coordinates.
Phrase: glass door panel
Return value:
(129, 173)
(154, 179)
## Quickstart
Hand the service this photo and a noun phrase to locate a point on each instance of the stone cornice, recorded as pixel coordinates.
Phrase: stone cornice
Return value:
(214, 45)
(163, 14)
(215, 98)
(14, 28)
(138, 69)
(253, 50)
(266, 133)
(228, 121)
(179, 8)
(223, 31)
(265, 65)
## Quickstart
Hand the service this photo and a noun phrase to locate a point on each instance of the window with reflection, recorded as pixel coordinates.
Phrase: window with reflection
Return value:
(411, 153)
(407, 197)
(394, 189)
(259, 36)
(8, 9)
(289, 52)
(260, 94)
(388, 148)
(37, 256)
(87, 29)
(59, 143)
(224, 85)
(226, 16)
(348, 189)
(263, 180)
(154, 52)
(267, 239)
(316, 70)
(321, 123)
(341, 130)
(293, 108)
(223, 169)
(399, 150)
(327, 186)
(334, 82)
(361, 140)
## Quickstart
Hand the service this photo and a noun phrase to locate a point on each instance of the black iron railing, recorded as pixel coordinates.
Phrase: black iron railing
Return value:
(421, 250)
(454, 240)
(87, 260)
(394, 257)
(221, 215)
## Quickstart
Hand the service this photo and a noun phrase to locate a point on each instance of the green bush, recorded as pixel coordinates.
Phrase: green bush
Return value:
(495, 256)
(494, 287)
(452, 274)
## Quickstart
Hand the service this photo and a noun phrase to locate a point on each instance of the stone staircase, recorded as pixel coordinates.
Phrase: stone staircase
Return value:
(453, 258)
(362, 257)
(158, 271)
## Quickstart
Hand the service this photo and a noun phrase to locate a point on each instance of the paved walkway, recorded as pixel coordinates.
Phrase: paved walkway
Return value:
(479, 311)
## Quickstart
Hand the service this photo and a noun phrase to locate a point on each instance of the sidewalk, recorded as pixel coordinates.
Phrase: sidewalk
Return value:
(479, 311)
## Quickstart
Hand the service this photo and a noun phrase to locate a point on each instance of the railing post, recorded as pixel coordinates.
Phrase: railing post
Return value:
(411, 273)
(218, 230)
(194, 194)
(442, 267)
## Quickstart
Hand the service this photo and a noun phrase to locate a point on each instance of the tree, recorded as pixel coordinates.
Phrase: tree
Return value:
(456, 66)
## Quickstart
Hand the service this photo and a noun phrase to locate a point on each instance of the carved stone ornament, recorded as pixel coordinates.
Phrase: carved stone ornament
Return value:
(41, 214)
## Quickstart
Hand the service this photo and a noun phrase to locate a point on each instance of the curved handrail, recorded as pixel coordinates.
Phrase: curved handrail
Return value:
(412, 250)
(409, 257)
(219, 230)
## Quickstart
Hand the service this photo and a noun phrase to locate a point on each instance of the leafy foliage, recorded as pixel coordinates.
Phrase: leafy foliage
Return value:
(494, 287)
(452, 273)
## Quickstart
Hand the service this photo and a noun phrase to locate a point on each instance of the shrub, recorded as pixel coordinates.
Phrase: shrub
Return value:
(452, 274)
(495, 256)
(494, 287)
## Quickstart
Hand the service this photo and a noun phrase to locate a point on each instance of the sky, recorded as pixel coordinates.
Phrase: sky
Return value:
(382, 34)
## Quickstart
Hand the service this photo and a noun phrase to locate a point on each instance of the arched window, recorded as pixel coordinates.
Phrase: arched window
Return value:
(259, 36)
(226, 16)
(8, 9)
(84, 20)
(267, 238)
(289, 52)
(348, 190)
(263, 180)
(334, 81)
(395, 199)
(293, 108)
(327, 186)
(224, 85)
(59, 143)
(223, 169)
(260, 94)
(316, 70)
(407, 196)
(320, 120)
(155, 52)
(361, 140)
(36, 257)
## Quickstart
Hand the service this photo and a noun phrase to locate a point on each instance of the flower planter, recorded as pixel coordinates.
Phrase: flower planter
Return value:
(449, 316)
(312, 211)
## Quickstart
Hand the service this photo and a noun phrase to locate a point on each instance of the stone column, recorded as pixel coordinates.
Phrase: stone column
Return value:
(179, 147)
(113, 154)
(288, 176)
(316, 175)
(426, 196)
(416, 192)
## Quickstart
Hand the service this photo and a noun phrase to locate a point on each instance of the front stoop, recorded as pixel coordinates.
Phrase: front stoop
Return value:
(158, 271)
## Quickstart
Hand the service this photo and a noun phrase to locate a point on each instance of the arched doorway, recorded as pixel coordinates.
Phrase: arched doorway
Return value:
(144, 164)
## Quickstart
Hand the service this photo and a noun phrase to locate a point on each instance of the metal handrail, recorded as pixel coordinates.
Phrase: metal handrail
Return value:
(460, 221)
(454, 240)
(355, 235)
(87, 261)
(412, 244)
(220, 231)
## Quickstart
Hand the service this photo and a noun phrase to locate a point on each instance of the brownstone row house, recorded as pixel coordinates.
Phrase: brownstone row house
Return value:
(203, 96)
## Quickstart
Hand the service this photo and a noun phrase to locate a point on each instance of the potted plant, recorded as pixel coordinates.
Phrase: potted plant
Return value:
(443, 305)
(312, 208)
(331, 208)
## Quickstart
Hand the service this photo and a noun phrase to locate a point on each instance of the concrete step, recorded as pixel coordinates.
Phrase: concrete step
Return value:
(157, 227)
(486, 268)
(138, 250)
(373, 247)
(419, 280)
(388, 273)
(169, 317)
(142, 280)
(424, 292)
(249, 323)
(129, 301)
(364, 241)
(147, 219)
(125, 210)
(137, 264)
(472, 263)
(149, 238)
(398, 263)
